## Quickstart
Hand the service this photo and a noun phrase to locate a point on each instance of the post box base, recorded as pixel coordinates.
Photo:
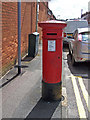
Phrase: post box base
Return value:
(51, 92)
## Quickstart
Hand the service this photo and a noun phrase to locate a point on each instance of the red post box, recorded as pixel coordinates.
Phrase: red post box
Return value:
(52, 59)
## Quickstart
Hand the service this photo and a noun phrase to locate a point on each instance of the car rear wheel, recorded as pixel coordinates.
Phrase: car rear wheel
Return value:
(73, 61)
(69, 52)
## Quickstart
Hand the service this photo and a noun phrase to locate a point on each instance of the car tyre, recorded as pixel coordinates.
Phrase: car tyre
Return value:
(73, 61)
(69, 52)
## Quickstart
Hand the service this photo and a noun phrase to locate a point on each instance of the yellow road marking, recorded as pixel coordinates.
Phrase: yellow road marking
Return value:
(85, 93)
(78, 76)
(81, 110)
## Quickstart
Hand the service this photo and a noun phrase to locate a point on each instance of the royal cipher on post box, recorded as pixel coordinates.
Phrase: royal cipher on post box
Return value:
(52, 59)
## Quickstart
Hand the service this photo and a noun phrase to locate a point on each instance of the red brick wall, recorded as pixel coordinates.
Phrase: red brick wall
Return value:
(9, 35)
(43, 16)
(33, 17)
(25, 26)
(10, 30)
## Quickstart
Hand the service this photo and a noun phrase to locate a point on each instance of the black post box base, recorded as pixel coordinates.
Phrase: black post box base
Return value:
(51, 92)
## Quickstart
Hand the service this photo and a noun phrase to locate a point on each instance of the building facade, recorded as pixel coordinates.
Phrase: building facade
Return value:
(86, 16)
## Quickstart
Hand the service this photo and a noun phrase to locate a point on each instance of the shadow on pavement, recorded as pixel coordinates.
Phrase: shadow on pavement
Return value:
(81, 69)
(8, 80)
(22, 66)
(43, 110)
(27, 58)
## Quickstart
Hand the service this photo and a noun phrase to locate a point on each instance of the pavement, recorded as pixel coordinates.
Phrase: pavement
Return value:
(21, 94)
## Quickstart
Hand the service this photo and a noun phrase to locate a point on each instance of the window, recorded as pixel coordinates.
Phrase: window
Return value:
(85, 36)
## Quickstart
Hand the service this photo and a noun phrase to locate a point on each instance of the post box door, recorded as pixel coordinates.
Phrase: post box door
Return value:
(52, 60)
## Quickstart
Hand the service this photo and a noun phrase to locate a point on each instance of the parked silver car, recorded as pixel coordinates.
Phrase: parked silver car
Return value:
(79, 45)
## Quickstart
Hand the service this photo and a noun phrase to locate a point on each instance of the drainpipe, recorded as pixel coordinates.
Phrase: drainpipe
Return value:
(37, 12)
(31, 17)
(19, 36)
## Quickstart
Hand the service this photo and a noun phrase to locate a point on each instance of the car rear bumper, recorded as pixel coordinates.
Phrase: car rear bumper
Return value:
(65, 42)
(83, 57)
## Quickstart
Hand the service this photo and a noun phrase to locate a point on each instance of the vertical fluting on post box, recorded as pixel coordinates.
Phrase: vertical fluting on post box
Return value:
(52, 59)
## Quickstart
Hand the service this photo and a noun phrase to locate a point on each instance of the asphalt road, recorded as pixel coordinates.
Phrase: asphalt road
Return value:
(77, 81)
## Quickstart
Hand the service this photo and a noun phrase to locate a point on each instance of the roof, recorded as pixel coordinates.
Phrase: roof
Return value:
(80, 30)
(87, 13)
(72, 25)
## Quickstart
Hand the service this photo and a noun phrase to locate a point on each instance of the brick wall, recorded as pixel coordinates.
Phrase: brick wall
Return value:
(43, 15)
(10, 30)
(9, 35)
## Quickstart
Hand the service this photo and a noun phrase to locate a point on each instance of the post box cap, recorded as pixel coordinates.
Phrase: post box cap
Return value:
(52, 23)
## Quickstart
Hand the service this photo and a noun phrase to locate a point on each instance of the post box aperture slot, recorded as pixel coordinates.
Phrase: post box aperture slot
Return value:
(51, 33)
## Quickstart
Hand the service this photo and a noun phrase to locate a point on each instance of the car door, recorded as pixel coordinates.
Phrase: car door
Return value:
(85, 45)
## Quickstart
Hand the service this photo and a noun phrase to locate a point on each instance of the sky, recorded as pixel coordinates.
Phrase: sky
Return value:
(68, 9)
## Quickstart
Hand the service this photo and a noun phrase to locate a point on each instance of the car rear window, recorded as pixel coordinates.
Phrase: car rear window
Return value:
(85, 36)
